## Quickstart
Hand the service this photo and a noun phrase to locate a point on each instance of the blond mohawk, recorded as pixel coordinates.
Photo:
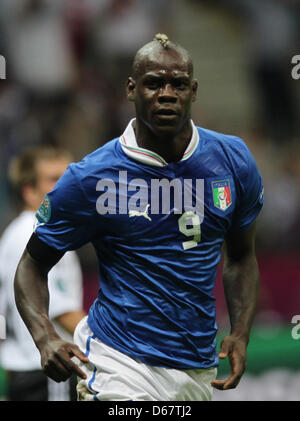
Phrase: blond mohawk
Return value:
(162, 39)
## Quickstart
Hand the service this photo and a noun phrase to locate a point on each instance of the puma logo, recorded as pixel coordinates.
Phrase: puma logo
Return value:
(138, 213)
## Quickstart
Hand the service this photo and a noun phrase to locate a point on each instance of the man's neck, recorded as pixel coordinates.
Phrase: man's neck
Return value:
(171, 148)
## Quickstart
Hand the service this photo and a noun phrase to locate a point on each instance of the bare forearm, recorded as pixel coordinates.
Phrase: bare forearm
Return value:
(32, 298)
(241, 285)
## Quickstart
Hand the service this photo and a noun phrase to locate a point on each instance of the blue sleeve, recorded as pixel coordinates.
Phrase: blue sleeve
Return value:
(251, 197)
(64, 217)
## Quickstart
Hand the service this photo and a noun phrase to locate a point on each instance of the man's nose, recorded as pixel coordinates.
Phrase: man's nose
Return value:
(167, 94)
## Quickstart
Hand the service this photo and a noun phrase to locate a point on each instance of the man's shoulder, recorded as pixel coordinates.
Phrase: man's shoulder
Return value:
(226, 148)
(70, 260)
(14, 239)
(68, 268)
(19, 227)
(100, 159)
(227, 141)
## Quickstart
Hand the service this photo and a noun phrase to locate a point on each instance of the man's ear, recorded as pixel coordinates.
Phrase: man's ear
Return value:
(194, 89)
(130, 89)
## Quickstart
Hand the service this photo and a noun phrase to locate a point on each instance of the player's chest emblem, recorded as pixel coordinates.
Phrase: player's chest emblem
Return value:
(221, 194)
(138, 213)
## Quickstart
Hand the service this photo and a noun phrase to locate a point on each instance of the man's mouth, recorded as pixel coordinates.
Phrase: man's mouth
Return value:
(166, 112)
(166, 116)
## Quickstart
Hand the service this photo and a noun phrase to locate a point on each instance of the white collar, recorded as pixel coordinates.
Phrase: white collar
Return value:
(131, 148)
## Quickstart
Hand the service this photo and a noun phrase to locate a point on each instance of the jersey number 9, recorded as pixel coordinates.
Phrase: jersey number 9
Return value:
(189, 225)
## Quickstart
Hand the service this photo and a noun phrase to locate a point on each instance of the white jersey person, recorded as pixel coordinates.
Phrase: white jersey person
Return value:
(33, 174)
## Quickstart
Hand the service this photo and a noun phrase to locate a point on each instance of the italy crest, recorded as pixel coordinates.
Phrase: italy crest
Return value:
(222, 194)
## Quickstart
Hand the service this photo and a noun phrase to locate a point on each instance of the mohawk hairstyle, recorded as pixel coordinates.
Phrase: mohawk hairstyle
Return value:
(162, 39)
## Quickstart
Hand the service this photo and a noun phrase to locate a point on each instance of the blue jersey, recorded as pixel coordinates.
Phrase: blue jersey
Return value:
(158, 230)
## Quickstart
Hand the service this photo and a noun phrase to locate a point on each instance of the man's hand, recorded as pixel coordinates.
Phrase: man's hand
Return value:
(235, 349)
(56, 360)
(32, 300)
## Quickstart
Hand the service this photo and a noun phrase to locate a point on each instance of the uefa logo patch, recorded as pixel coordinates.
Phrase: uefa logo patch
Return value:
(44, 212)
(222, 194)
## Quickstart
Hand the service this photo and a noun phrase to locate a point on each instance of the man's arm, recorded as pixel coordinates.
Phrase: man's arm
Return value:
(241, 284)
(32, 300)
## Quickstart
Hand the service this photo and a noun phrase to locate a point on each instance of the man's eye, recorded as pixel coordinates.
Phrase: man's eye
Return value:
(180, 84)
(152, 85)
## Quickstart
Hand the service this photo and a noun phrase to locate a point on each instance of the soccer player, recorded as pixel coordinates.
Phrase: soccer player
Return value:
(33, 173)
(157, 203)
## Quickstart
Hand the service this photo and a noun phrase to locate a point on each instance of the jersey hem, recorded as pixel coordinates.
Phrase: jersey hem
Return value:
(155, 362)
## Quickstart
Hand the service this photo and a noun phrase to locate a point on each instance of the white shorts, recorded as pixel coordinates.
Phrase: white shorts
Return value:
(114, 376)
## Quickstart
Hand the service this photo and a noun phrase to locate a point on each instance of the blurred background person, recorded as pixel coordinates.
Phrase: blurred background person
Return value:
(33, 174)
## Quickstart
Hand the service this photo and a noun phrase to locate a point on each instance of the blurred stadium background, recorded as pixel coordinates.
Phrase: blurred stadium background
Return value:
(67, 62)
